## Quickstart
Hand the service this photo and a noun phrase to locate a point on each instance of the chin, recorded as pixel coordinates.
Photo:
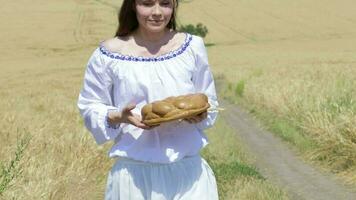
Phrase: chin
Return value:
(156, 29)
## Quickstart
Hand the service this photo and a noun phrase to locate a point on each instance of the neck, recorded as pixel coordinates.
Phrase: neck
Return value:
(149, 36)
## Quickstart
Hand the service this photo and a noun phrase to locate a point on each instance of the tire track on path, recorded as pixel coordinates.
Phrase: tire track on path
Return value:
(280, 164)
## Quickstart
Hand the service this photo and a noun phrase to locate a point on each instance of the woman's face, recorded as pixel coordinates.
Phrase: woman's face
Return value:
(154, 15)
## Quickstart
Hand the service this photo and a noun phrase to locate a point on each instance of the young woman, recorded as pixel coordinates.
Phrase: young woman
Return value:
(149, 60)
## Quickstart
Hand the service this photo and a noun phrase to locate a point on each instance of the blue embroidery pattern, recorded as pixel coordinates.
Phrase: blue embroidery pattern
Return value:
(169, 55)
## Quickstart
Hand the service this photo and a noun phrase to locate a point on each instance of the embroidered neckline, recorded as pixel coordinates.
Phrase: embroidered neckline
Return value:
(166, 56)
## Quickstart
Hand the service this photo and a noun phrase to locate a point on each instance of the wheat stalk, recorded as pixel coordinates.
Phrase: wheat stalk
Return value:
(216, 109)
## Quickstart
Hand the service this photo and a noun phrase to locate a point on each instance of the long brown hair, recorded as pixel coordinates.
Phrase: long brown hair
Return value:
(128, 21)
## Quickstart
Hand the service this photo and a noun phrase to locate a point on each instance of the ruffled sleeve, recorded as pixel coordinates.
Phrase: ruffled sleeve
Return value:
(95, 99)
(204, 82)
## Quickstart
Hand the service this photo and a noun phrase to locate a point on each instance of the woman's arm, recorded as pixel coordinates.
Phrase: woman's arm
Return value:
(95, 100)
(126, 116)
(95, 104)
(204, 83)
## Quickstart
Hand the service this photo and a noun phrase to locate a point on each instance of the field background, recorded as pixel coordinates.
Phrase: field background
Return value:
(293, 60)
(292, 64)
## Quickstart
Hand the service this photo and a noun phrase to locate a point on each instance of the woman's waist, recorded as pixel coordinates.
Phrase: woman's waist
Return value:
(134, 161)
(164, 149)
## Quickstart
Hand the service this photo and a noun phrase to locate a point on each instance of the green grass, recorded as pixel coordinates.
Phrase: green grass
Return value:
(239, 89)
(279, 125)
(11, 170)
(286, 130)
(319, 125)
(236, 176)
(210, 44)
(232, 170)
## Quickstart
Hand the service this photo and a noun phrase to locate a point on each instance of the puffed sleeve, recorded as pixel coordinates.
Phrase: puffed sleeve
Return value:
(95, 99)
(204, 83)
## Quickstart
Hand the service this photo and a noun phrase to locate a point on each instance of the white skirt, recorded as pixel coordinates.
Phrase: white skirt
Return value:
(187, 179)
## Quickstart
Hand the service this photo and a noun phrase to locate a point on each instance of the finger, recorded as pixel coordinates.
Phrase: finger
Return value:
(138, 117)
(129, 107)
(203, 114)
(202, 117)
(145, 127)
(151, 127)
(133, 120)
(188, 120)
(137, 122)
(194, 119)
(141, 125)
(199, 118)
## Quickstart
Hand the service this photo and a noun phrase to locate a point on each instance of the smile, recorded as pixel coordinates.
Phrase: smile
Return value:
(155, 21)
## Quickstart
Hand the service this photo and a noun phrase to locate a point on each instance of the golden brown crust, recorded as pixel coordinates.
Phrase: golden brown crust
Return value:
(173, 108)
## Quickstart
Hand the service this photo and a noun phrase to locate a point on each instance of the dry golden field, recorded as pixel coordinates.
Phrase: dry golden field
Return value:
(296, 59)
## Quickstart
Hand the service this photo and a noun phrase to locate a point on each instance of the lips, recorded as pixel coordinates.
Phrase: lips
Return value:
(156, 21)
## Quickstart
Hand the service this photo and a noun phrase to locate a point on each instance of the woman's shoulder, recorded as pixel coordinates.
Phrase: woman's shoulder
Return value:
(188, 40)
(121, 47)
(113, 44)
(187, 37)
(197, 40)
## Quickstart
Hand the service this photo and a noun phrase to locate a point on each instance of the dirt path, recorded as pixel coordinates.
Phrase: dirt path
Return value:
(280, 164)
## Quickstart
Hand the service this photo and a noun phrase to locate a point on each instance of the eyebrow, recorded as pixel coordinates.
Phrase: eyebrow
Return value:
(153, 0)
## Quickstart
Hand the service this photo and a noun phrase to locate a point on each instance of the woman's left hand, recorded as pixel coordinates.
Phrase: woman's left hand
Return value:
(197, 118)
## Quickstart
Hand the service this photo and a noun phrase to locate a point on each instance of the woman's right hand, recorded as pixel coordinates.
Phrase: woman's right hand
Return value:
(126, 116)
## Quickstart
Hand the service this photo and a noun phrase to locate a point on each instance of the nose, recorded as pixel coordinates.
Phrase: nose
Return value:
(157, 12)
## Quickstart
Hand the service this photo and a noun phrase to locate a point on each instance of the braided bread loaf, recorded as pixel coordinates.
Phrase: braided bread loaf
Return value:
(173, 108)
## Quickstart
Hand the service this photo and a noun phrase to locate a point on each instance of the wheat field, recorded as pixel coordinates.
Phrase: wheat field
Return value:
(296, 59)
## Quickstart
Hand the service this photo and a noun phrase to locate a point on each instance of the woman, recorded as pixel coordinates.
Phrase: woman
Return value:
(149, 60)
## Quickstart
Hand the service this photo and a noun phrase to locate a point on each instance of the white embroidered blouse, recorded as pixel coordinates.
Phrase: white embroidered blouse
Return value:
(113, 80)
